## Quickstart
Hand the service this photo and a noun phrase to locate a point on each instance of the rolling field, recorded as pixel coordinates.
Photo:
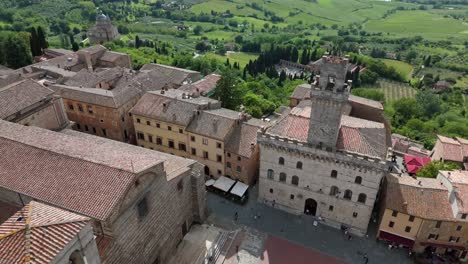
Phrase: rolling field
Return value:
(403, 68)
(425, 24)
(393, 90)
(240, 57)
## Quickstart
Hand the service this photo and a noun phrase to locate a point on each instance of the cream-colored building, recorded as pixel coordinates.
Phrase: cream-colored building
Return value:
(426, 215)
(161, 118)
(321, 159)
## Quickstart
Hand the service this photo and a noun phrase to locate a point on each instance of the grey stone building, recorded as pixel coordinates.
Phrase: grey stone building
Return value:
(322, 158)
(140, 202)
(103, 31)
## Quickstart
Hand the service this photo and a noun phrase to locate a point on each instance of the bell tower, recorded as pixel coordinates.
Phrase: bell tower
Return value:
(329, 96)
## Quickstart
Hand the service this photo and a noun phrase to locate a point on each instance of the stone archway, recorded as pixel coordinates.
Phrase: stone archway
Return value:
(310, 207)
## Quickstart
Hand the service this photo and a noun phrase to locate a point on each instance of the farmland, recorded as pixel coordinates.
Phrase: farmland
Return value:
(403, 68)
(394, 90)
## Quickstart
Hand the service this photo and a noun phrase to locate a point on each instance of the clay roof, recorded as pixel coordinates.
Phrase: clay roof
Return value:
(216, 123)
(20, 95)
(171, 74)
(422, 197)
(244, 137)
(302, 91)
(451, 148)
(363, 137)
(413, 164)
(38, 232)
(125, 88)
(207, 84)
(353, 99)
(171, 106)
(355, 135)
(459, 180)
(73, 172)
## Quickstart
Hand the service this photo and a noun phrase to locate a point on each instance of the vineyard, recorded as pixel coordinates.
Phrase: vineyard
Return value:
(394, 90)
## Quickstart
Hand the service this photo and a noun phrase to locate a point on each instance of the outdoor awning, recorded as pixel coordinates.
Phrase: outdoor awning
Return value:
(239, 189)
(442, 245)
(209, 182)
(223, 183)
(396, 239)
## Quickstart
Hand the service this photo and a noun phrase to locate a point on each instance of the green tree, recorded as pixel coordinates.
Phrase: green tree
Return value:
(42, 39)
(34, 42)
(75, 46)
(17, 50)
(372, 94)
(197, 30)
(368, 77)
(227, 90)
(429, 104)
(405, 109)
(431, 169)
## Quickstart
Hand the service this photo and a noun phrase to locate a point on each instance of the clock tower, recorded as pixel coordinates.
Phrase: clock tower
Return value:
(329, 97)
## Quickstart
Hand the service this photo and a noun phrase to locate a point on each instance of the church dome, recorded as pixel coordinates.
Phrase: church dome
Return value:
(102, 17)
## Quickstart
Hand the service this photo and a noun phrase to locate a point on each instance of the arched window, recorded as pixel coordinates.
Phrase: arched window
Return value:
(334, 174)
(281, 161)
(299, 165)
(358, 180)
(348, 194)
(295, 180)
(282, 177)
(362, 198)
(271, 174)
(334, 190)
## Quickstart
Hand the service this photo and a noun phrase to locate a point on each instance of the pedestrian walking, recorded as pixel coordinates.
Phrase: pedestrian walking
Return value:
(236, 215)
(366, 260)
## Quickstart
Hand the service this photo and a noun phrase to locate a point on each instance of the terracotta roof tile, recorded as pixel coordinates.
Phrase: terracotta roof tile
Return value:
(244, 138)
(301, 92)
(39, 232)
(20, 95)
(452, 149)
(353, 99)
(422, 197)
(216, 123)
(459, 180)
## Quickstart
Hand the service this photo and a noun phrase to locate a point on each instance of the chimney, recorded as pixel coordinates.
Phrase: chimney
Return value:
(252, 146)
(420, 183)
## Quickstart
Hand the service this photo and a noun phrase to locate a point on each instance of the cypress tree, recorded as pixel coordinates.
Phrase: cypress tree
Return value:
(34, 42)
(41, 39)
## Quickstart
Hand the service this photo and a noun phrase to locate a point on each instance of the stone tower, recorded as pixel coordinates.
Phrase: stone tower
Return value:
(329, 96)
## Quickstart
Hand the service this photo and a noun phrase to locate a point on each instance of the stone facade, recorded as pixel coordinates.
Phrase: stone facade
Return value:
(103, 31)
(311, 164)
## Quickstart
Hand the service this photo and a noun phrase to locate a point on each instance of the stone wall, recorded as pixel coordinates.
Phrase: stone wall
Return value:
(315, 182)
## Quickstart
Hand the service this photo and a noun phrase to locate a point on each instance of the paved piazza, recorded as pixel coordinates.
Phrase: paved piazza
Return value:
(322, 243)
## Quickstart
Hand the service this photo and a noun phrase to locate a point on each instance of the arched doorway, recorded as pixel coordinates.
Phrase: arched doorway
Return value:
(207, 170)
(310, 207)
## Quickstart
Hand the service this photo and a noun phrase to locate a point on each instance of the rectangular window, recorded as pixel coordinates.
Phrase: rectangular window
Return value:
(142, 208)
(454, 239)
(181, 131)
(354, 214)
(218, 145)
(192, 138)
(438, 224)
(171, 143)
(408, 229)
(205, 154)
(141, 136)
(182, 147)
(169, 128)
(150, 138)
(86, 128)
(459, 228)
(219, 158)
(411, 218)
(194, 151)
(229, 155)
(291, 197)
(239, 169)
(463, 216)
(433, 236)
(148, 123)
(158, 141)
(90, 109)
(205, 141)
(158, 125)
(239, 158)
(94, 130)
(70, 106)
(228, 164)
(219, 172)
(391, 224)
(80, 108)
(138, 120)
(394, 213)
(330, 208)
(104, 132)
(180, 185)
(78, 126)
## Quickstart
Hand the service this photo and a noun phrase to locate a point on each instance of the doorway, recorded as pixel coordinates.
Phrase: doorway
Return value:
(310, 207)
